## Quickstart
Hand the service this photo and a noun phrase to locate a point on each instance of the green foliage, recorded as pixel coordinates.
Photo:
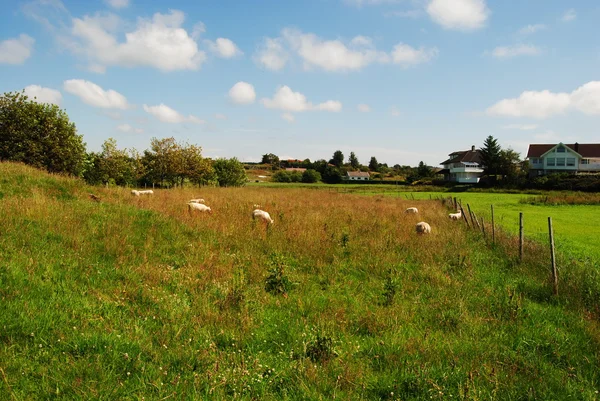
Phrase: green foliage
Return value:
(277, 282)
(270, 158)
(286, 176)
(230, 172)
(320, 348)
(353, 161)
(490, 156)
(373, 164)
(40, 135)
(332, 175)
(311, 176)
(390, 288)
(337, 159)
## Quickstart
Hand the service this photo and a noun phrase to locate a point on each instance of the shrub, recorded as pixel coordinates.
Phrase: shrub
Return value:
(311, 176)
(277, 282)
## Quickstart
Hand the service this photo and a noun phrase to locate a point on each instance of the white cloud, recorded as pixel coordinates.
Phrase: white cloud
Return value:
(272, 55)
(167, 115)
(94, 95)
(363, 108)
(462, 15)
(586, 98)
(223, 48)
(288, 100)
(43, 95)
(16, 51)
(521, 127)
(504, 52)
(394, 112)
(408, 56)
(219, 116)
(529, 29)
(289, 117)
(129, 129)
(117, 3)
(544, 104)
(569, 15)
(242, 93)
(160, 42)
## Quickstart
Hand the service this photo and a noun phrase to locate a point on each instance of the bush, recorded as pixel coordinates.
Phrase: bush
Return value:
(230, 172)
(311, 176)
(281, 176)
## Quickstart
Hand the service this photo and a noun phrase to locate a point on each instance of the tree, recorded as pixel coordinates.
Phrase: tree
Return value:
(423, 170)
(353, 160)
(197, 169)
(230, 172)
(509, 162)
(40, 135)
(311, 176)
(338, 158)
(373, 164)
(332, 175)
(490, 156)
(163, 162)
(270, 158)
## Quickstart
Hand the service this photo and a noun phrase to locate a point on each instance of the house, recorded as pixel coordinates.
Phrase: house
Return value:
(569, 158)
(358, 176)
(463, 166)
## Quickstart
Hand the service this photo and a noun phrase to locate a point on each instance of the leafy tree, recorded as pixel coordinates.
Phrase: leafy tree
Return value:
(40, 135)
(311, 176)
(281, 176)
(332, 175)
(306, 164)
(270, 158)
(338, 158)
(197, 169)
(490, 156)
(423, 170)
(320, 166)
(353, 160)
(373, 164)
(509, 164)
(230, 172)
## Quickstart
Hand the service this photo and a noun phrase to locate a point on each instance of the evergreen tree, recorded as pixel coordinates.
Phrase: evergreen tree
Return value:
(490, 156)
(338, 158)
(373, 164)
(353, 160)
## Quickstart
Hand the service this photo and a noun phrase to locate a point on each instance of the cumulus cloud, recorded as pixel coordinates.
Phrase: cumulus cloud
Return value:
(94, 95)
(544, 104)
(242, 93)
(167, 115)
(129, 129)
(569, 15)
(271, 54)
(529, 29)
(462, 15)
(117, 3)
(289, 117)
(223, 48)
(43, 95)
(159, 42)
(288, 100)
(16, 51)
(363, 108)
(335, 55)
(504, 52)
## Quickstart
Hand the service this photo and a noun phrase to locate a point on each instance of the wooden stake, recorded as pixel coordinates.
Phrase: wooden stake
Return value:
(462, 212)
(520, 236)
(553, 257)
(476, 220)
(493, 227)
(483, 227)
(471, 214)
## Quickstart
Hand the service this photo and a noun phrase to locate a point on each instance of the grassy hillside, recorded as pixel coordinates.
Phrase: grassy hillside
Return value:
(133, 298)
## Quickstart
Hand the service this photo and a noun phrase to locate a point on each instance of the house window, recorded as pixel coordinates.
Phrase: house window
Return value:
(570, 161)
(560, 161)
(561, 149)
(551, 161)
(585, 161)
(536, 161)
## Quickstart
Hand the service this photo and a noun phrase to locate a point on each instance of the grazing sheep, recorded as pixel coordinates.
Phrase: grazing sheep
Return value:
(199, 207)
(199, 200)
(413, 210)
(455, 216)
(423, 228)
(144, 192)
(261, 214)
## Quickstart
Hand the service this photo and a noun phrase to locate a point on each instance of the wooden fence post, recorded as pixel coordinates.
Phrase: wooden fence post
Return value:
(471, 215)
(474, 216)
(483, 227)
(493, 227)
(462, 212)
(553, 257)
(520, 236)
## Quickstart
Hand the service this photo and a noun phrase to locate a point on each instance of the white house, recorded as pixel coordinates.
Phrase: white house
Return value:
(463, 166)
(570, 158)
(358, 176)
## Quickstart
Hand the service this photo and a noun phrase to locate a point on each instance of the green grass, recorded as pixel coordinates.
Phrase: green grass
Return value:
(132, 298)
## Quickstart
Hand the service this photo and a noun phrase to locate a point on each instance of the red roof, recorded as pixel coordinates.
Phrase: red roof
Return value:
(584, 149)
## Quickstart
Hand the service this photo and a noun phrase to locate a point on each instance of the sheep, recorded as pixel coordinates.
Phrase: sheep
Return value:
(261, 214)
(199, 207)
(198, 200)
(144, 192)
(423, 228)
(455, 216)
(413, 210)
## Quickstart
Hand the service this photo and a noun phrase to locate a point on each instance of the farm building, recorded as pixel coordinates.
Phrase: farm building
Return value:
(358, 176)
(463, 166)
(302, 170)
(570, 158)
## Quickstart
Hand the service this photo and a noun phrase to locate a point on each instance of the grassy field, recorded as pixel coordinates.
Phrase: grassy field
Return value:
(134, 298)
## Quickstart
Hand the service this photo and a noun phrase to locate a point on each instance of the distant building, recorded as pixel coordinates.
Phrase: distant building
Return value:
(463, 166)
(358, 176)
(571, 158)
(295, 169)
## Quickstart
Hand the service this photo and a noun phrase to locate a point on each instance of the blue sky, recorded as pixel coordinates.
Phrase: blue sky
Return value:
(401, 80)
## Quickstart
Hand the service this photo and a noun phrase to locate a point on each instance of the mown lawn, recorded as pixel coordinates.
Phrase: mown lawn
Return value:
(134, 298)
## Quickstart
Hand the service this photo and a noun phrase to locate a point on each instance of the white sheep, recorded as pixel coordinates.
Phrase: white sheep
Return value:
(455, 216)
(261, 214)
(199, 207)
(198, 200)
(412, 210)
(144, 192)
(423, 228)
